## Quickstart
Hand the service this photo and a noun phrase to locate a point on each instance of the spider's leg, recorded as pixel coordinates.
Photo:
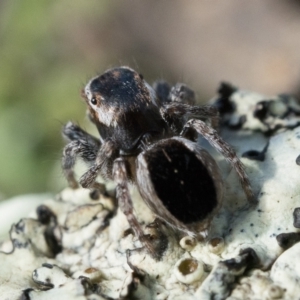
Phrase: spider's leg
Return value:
(125, 203)
(181, 93)
(102, 164)
(226, 150)
(81, 144)
(162, 90)
(73, 132)
(70, 153)
(177, 114)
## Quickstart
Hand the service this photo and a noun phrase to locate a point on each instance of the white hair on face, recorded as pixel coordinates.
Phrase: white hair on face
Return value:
(87, 89)
(106, 116)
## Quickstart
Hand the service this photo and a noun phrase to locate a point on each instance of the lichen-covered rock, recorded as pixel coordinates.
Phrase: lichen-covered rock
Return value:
(242, 109)
(79, 245)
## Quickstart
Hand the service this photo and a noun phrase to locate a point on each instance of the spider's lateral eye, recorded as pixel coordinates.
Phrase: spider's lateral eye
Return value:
(94, 101)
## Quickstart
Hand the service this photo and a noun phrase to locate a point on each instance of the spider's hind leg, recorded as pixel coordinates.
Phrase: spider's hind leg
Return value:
(226, 150)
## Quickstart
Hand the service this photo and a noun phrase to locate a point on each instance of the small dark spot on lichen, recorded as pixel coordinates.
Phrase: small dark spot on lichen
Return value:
(127, 232)
(90, 270)
(45, 214)
(25, 294)
(261, 110)
(188, 266)
(254, 155)
(46, 265)
(286, 240)
(242, 230)
(223, 103)
(95, 194)
(201, 238)
(215, 241)
(251, 224)
(248, 258)
(189, 242)
(296, 216)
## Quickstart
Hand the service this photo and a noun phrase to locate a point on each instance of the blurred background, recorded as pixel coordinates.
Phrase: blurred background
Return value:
(49, 49)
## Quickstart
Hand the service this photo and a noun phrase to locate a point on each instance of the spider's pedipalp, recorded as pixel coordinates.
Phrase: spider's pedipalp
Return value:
(81, 145)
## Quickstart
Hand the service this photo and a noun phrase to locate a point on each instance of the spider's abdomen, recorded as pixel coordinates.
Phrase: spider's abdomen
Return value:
(185, 181)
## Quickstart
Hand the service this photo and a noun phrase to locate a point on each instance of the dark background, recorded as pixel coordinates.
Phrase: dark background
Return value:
(49, 49)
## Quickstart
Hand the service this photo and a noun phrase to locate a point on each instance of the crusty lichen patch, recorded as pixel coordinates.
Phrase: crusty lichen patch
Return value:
(79, 245)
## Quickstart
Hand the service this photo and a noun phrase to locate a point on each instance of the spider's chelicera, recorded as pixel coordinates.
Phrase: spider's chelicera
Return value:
(147, 137)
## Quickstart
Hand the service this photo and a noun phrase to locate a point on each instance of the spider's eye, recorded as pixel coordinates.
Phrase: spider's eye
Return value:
(94, 101)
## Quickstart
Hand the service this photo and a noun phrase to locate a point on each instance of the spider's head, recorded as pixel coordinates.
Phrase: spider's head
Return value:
(115, 92)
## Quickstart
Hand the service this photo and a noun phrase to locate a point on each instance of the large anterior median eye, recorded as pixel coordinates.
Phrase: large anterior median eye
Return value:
(94, 101)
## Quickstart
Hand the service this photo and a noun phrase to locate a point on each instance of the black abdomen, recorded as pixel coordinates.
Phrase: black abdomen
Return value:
(181, 181)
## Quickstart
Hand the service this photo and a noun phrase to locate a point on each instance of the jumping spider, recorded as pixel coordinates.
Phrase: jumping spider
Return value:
(147, 138)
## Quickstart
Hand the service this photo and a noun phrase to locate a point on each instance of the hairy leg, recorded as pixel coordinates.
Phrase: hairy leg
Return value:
(226, 150)
(181, 93)
(73, 132)
(82, 145)
(162, 90)
(125, 202)
(177, 114)
(103, 164)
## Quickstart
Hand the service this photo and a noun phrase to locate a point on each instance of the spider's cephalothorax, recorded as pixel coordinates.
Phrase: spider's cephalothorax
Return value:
(124, 108)
(147, 137)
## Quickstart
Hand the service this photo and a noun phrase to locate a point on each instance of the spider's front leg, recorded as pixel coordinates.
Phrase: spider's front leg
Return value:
(226, 150)
(103, 164)
(120, 171)
(81, 145)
